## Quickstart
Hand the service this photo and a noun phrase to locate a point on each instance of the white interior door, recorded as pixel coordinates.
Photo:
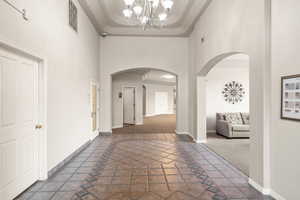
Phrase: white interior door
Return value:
(18, 139)
(161, 103)
(129, 105)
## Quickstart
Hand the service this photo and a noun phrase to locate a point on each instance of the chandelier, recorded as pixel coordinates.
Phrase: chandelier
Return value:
(148, 13)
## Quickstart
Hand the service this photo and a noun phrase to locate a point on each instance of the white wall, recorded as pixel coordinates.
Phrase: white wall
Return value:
(151, 89)
(72, 60)
(120, 81)
(123, 53)
(224, 72)
(237, 26)
(285, 136)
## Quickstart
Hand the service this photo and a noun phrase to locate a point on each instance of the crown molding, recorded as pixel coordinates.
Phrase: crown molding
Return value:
(182, 26)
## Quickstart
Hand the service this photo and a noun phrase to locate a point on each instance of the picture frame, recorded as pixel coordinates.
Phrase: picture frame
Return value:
(290, 97)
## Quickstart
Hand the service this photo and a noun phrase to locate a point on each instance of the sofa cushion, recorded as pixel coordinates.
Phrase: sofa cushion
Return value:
(234, 118)
(241, 128)
(246, 118)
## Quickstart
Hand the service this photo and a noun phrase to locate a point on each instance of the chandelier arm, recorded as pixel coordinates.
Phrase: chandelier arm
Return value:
(144, 14)
(150, 16)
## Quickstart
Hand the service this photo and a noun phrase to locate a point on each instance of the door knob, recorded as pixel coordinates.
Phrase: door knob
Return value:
(38, 126)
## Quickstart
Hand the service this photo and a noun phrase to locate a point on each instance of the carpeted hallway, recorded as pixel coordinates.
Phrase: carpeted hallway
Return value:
(155, 124)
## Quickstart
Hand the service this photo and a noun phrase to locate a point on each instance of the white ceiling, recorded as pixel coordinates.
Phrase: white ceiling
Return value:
(156, 76)
(107, 17)
(149, 76)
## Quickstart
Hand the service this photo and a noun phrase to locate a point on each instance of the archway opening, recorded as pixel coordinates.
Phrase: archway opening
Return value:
(144, 100)
(223, 91)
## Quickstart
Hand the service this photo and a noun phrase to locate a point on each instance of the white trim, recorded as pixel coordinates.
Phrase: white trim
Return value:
(197, 141)
(42, 152)
(276, 195)
(139, 123)
(150, 115)
(201, 141)
(187, 133)
(258, 187)
(266, 191)
(182, 133)
(94, 135)
(42, 101)
(94, 83)
(117, 126)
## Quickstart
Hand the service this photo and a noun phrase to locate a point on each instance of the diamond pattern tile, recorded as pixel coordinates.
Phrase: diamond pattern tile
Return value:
(145, 167)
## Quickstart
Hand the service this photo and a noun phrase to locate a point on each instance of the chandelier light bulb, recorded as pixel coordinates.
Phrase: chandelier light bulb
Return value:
(127, 13)
(148, 13)
(167, 4)
(138, 10)
(155, 3)
(129, 2)
(162, 16)
(144, 20)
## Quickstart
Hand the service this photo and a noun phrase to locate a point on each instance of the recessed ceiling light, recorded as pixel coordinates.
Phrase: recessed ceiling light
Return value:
(168, 76)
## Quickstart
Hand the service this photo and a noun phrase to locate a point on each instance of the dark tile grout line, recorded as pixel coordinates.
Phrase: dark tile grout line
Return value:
(58, 190)
(165, 176)
(73, 173)
(91, 154)
(229, 165)
(192, 161)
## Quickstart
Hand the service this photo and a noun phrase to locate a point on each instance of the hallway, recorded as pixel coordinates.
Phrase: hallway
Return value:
(145, 167)
(153, 124)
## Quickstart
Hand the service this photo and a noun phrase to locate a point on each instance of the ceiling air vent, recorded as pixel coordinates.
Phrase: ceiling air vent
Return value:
(73, 18)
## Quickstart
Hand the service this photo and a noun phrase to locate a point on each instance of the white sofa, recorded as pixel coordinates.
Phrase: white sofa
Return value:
(233, 125)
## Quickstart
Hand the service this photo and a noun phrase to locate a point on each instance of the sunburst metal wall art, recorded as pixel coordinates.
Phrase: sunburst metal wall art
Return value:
(233, 92)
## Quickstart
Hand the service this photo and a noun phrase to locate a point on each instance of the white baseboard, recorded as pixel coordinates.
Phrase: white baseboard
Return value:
(150, 115)
(266, 191)
(94, 135)
(117, 126)
(276, 195)
(182, 133)
(258, 187)
(201, 141)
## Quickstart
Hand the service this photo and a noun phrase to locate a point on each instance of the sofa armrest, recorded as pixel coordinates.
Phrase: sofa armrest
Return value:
(224, 128)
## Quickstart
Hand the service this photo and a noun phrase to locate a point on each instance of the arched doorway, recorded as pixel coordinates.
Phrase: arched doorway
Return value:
(143, 101)
(226, 111)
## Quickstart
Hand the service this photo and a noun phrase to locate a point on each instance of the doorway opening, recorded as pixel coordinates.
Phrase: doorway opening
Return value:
(129, 106)
(227, 117)
(144, 101)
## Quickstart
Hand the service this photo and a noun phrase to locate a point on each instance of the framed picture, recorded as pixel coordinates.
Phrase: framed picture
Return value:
(290, 97)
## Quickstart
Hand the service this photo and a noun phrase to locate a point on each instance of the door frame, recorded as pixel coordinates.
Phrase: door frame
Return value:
(13, 48)
(135, 93)
(95, 83)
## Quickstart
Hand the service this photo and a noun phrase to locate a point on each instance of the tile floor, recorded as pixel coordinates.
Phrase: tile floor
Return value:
(145, 167)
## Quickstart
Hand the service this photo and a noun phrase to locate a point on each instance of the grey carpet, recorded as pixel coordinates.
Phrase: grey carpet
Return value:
(236, 151)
